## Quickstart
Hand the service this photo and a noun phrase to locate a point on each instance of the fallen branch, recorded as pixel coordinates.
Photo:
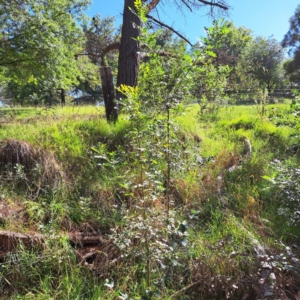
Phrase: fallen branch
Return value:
(9, 240)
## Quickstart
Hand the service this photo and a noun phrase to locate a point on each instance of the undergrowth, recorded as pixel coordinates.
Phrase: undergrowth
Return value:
(150, 186)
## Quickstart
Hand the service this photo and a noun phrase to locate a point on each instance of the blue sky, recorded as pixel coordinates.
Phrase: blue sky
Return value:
(263, 17)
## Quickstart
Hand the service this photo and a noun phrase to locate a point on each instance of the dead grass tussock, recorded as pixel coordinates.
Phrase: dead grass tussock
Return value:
(12, 214)
(184, 193)
(225, 160)
(251, 209)
(219, 277)
(39, 168)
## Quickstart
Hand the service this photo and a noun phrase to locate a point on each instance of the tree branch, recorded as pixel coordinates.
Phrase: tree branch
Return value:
(169, 27)
(87, 54)
(214, 4)
(115, 46)
(144, 55)
(152, 4)
(186, 4)
(14, 62)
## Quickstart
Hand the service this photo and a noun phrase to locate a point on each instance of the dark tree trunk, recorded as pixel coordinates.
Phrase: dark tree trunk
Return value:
(129, 60)
(62, 96)
(108, 94)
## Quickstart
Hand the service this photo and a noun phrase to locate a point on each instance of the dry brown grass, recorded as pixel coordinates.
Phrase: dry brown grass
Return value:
(222, 277)
(29, 166)
(12, 214)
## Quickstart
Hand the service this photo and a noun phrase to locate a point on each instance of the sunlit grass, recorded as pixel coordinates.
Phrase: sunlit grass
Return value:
(103, 187)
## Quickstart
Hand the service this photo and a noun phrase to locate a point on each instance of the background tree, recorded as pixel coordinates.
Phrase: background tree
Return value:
(291, 67)
(226, 41)
(170, 73)
(292, 41)
(100, 33)
(265, 60)
(209, 80)
(88, 89)
(39, 40)
(226, 44)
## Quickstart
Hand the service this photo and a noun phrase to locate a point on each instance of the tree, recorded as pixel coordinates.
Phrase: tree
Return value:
(100, 33)
(226, 45)
(292, 37)
(265, 58)
(107, 41)
(292, 69)
(227, 42)
(165, 71)
(292, 40)
(39, 40)
(87, 86)
(129, 58)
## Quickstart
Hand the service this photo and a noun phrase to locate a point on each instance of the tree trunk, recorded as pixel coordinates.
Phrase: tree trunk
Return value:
(108, 94)
(129, 60)
(62, 96)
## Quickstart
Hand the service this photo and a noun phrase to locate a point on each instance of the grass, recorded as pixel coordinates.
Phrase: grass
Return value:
(172, 235)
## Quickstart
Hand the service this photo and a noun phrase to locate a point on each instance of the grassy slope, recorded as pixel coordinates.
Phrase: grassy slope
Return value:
(102, 193)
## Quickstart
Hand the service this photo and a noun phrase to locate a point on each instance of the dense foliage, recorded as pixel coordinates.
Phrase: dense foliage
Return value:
(39, 41)
(291, 40)
(266, 57)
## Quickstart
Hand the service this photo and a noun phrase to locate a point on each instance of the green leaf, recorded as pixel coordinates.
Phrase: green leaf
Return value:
(211, 53)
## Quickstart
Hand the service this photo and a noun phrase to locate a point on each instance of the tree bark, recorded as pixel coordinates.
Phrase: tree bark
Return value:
(108, 94)
(62, 96)
(129, 60)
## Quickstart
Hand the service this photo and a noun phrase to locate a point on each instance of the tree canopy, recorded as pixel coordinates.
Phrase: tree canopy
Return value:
(51, 46)
(292, 41)
(39, 40)
(265, 59)
(226, 41)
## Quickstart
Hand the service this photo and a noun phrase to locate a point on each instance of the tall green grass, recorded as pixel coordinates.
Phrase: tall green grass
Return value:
(109, 184)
